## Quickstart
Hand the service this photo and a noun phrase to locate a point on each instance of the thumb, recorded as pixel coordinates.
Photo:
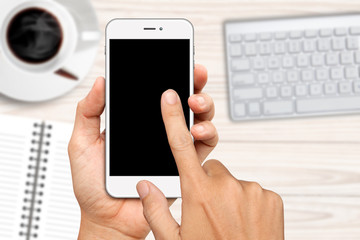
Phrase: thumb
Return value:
(156, 211)
(88, 112)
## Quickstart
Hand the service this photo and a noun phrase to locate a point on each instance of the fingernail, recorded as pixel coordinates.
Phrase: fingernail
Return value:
(170, 97)
(143, 189)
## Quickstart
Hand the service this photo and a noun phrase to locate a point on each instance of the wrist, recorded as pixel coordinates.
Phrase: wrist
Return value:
(90, 230)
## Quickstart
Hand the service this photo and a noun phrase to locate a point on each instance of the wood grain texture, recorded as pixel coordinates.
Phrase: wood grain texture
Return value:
(314, 163)
(293, 169)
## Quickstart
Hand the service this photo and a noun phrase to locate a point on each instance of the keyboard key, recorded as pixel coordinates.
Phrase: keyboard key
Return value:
(302, 60)
(345, 87)
(248, 93)
(258, 63)
(281, 35)
(240, 64)
(288, 62)
(301, 90)
(357, 57)
(307, 75)
(327, 104)
(315, 89)
(322, 74)
(254, 109)
(286, 91)
(263, 77)
(326, 32)
(240, 79)
(295, 34)
(278, 107)
(250, 49)
(355, 30)
(336, 73)
(332, 59)
(351, 72)
(352, 43)
(278, 77)
(338, 43)
(239, 109)
(317, 60)
(235, 38)
(264, 48)
(271, 92)
(265, 36)
(346, 58)
(292, 76)
(250, 37)
(294, 46)
(273, 62)
(330, 88)
(235, 50)
(323, 44)
(310, 33)
(279, 47)
(357, 86)
(340, 31)
(309, 45)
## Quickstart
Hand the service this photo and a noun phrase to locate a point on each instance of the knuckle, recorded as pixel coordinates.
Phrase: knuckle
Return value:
(214, 168)
(152, 212)
(209, 125)
(275, 199)
(81, 104)
(174, 113)
(81, 107)
(71, 146)
(211, 163)
(209, 99)
(230, 184)
(254, 188)
(152, 208)
(211, 105)
(215, 137)
(181, 141)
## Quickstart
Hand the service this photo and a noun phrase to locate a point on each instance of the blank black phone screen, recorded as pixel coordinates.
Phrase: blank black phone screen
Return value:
(140, 71)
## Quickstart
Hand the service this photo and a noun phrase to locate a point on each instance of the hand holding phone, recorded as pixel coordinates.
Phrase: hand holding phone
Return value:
(215, 205)
(121, 218)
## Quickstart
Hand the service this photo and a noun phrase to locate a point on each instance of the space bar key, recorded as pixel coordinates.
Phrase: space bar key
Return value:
(328, 104)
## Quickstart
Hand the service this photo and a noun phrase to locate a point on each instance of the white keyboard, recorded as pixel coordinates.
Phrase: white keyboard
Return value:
(293, 67)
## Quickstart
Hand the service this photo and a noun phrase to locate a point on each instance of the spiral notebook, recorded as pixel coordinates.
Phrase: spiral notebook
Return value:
(36, 194)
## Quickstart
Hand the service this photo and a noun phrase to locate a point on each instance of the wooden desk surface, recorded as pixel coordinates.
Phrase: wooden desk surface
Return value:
(313, 163)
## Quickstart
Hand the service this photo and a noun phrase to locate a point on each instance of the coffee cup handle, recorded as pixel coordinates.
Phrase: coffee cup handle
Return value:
(66, 74)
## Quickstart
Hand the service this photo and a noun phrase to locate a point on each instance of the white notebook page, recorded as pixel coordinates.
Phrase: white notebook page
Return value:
(56, 212)
(60, 216)
(15, 145)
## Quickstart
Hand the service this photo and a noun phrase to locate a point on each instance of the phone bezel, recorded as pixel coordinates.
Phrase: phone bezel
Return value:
(120, 28)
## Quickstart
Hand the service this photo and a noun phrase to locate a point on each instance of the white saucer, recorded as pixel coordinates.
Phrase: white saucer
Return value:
(32, 87)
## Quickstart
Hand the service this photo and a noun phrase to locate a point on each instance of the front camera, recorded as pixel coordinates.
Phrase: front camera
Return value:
(160, 28)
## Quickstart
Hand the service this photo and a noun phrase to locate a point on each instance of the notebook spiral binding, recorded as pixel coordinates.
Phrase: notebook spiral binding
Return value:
(35, 181)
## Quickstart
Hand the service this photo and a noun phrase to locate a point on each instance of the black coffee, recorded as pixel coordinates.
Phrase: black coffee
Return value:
(34, 35)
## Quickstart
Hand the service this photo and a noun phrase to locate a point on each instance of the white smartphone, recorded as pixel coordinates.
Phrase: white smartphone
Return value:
(144, 58)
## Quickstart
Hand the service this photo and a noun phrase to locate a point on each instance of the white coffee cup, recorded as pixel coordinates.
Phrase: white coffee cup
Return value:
(68, 42)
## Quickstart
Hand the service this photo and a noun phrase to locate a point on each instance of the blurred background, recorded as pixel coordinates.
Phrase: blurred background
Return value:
(313, 163)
